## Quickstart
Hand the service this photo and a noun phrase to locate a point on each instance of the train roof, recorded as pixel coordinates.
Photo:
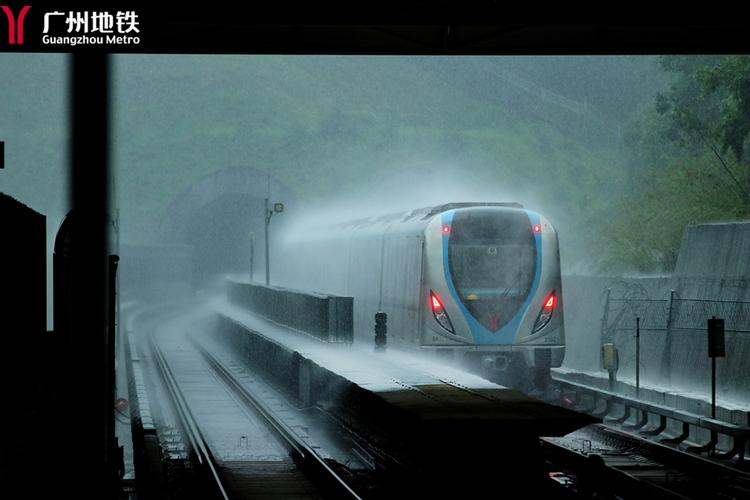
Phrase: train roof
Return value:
(425, 212)
(400, 221)
(451, 206)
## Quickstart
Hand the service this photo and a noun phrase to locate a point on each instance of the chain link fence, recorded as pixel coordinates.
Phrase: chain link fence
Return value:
(673, 314)
(692, 314)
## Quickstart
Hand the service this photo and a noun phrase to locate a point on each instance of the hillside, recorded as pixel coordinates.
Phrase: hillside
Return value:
(542, 131)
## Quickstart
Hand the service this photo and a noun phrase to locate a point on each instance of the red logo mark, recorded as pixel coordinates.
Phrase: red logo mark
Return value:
(15, 27)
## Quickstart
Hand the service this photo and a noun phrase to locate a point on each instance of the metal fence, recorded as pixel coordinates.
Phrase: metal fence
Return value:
(653, 314)
(692, 314)
(674, 313)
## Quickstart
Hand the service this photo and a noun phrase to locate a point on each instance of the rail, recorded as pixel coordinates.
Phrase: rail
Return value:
(306, 454)
(190, 428)
(609, 462)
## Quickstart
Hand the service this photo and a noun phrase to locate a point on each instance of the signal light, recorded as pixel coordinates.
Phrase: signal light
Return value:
(537, 228)
(446, 229)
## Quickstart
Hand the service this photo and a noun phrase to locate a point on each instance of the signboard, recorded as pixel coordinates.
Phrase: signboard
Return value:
(716, 338)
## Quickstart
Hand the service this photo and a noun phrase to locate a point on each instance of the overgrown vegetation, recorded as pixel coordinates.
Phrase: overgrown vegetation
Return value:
(621, 153)
(687, 153)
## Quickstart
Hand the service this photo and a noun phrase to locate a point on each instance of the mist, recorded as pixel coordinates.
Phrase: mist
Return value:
(229, 179)
(351, 136)
(341, 137)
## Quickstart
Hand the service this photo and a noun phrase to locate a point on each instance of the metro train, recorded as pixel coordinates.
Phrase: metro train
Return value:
(477, 283)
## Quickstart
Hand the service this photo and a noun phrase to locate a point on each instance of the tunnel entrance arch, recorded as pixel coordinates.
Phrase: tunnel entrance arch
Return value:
(221, 218)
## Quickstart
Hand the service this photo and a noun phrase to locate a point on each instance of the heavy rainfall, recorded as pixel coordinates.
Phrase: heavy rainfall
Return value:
(255, 193)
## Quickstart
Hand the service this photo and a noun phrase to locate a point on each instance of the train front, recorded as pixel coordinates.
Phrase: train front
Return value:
(493, 290)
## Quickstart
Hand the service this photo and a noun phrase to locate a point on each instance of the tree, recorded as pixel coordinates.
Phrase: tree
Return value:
(708, 109)
(688, 160)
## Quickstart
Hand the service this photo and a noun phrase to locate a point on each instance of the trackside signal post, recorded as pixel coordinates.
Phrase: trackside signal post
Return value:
(381, 330)
(252, 255)
(277, 209)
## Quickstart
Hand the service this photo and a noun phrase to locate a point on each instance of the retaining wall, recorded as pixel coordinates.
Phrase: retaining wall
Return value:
(713, 265)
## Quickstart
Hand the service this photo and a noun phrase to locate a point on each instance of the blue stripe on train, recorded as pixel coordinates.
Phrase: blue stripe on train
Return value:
(481, 334)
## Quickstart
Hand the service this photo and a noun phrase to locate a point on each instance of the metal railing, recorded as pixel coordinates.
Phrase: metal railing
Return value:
(586, 398)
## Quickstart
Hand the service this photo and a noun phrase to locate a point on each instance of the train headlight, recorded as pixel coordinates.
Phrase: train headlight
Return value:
(545, 314)
(439, 312)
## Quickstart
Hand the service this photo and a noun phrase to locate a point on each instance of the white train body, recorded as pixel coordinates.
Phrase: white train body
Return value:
(470, 281)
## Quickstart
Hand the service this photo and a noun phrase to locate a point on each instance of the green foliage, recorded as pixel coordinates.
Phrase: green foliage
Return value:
(730, 79)
(690, 114)
(676, 153)
(332, 125)
(542, 130)
(645, 229)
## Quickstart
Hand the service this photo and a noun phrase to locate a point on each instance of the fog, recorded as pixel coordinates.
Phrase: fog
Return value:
(593, 143)
(418, 185)
(344, 134)
(350, 136)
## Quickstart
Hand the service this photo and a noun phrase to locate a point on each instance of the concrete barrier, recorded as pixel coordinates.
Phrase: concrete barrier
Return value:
(414, 420)
(712, 277)
(326, 317)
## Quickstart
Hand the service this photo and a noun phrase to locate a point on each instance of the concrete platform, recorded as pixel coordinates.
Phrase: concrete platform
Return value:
(401, 393)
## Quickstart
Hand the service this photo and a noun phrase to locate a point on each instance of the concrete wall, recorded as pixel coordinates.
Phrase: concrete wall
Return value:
(585, 325)
(325, 317)
(713, 265)
(719, 250)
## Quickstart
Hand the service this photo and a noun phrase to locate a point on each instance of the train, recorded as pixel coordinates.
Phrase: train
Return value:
(478, 284)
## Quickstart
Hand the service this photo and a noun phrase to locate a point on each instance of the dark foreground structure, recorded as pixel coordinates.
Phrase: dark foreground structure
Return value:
(23, 312)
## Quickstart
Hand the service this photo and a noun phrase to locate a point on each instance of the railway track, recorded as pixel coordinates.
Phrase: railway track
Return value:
(599, 461)
(596, 461)
(304, 455)
(303, 474)
(206, 462)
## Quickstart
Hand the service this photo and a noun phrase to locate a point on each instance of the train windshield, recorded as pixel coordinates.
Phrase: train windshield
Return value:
(492, 261)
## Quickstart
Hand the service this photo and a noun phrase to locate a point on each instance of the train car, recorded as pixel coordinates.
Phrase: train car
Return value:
(475, 282)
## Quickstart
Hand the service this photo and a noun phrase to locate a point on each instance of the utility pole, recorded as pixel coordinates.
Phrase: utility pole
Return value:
(637, 357)
(252, 255)
(277, 209)
(269, 214)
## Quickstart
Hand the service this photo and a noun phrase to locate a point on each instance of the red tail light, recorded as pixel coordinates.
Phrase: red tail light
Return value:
(548, 307)
(537, 228)
(438, 311)
(550, 302)
(435, 302)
